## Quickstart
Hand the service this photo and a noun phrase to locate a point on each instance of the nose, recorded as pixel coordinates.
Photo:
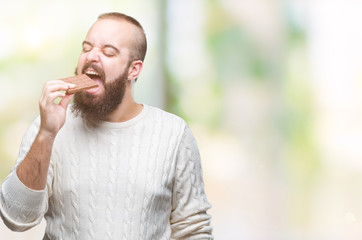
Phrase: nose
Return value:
(93, 55)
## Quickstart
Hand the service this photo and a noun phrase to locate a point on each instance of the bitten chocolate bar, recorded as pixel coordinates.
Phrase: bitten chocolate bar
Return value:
(82, 82)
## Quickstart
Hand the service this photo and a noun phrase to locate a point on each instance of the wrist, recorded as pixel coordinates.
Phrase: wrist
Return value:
(45, 135)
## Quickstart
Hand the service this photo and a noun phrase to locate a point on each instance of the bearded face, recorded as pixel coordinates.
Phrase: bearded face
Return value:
(94, 108)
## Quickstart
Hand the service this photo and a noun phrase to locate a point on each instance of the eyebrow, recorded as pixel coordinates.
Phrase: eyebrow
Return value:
(104, 46)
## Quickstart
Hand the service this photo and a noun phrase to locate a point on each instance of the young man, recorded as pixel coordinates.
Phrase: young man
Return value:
(107, 167)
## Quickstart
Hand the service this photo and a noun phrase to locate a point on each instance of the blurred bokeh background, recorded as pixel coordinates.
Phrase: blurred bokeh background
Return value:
(270, 88)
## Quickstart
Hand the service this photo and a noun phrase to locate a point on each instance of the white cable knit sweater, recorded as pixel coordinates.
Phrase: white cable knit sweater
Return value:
(139, 179)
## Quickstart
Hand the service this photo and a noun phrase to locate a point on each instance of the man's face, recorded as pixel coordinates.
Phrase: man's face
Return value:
(104, 58)
(106, 48)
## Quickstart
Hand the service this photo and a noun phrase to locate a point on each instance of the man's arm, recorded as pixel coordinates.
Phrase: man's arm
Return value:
(189, 217)
(23, 194)
(33, 170)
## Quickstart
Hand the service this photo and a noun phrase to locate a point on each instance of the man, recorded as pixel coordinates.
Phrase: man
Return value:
(107, 167)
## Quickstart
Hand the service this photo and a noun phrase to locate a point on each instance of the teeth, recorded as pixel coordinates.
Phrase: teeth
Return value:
(91, 73)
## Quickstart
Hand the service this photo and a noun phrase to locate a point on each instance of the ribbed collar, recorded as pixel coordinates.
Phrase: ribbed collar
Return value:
(115, 125)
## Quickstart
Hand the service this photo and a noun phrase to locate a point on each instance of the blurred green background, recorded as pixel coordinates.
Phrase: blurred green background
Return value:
(270, 88)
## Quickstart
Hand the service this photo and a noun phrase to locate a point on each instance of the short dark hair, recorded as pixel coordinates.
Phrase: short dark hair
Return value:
(139, 48)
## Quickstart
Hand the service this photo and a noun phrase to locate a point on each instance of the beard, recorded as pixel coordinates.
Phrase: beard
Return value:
(94, 109)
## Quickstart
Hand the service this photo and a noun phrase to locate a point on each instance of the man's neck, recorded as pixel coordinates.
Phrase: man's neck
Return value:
(125, 111)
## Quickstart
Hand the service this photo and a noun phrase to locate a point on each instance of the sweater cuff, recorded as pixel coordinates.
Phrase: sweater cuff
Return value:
(22, 204)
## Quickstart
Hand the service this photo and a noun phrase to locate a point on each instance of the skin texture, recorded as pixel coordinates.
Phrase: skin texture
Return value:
(106, 46)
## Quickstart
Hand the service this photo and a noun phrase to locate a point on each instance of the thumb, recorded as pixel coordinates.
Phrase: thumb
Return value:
(66, 100)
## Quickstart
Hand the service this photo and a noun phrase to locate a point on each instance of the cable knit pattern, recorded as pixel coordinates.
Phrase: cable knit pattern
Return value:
(139, 179)
(132, 175)
(74, 183)
(174, 137)
(60, 198)
(111, 186)
(93, 176)
(150, 173)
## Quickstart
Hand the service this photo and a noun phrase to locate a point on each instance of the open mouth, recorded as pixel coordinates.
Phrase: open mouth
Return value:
(95, 76)
(92, 74)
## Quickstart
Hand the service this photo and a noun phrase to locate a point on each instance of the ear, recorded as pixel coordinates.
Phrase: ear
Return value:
(135, 69)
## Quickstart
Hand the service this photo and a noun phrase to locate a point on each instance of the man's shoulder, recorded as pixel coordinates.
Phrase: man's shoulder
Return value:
(168, 126)
(164, 116)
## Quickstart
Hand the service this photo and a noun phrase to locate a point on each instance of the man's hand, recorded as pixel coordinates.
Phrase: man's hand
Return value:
(53, 115)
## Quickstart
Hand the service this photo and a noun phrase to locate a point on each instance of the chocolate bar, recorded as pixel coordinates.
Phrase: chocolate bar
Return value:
(82, 82)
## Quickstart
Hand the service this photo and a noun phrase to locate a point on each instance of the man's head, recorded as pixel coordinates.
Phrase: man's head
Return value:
(112, 54)
(138, 45)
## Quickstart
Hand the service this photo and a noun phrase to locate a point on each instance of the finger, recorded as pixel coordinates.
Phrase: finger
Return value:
(57, 85)
(71, 85)
(54, 82)
(50, 99)
(66, 100)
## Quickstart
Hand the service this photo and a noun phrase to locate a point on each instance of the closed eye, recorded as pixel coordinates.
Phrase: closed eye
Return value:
(87, 47)
(110, 51)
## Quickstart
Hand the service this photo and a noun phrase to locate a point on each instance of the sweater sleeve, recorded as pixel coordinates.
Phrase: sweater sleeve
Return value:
(22, 208)
(189, 218)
